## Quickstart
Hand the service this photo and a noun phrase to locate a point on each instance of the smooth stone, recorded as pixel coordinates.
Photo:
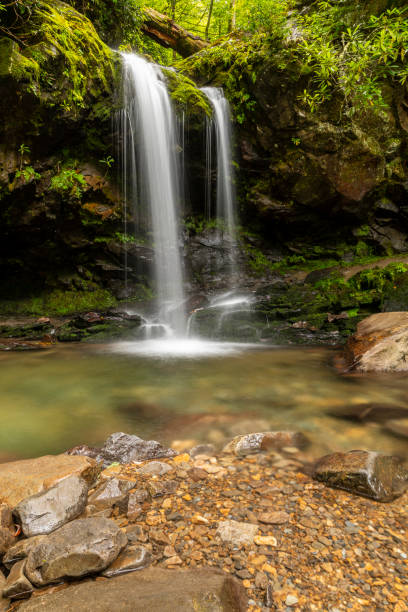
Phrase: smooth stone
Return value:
(153, 590)
(264, 441)
(6, 517)
(81, 547)
(131, 559)
(202, 449)
(125, 448)
(20, 550)
(4, 603)
(21, 479)
(17, 585)
(380, 343)
(49, 510)
(380, 477)
(237, 533)
(155, 468)
(110, 492)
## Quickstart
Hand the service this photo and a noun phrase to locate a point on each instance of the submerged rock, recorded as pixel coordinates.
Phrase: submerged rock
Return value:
(84, 546)
(264, 441)
(49, 510)
(21, 479)
(380, 343)
(237, 533)
(155, 590)
(380, 477)
(17, 585)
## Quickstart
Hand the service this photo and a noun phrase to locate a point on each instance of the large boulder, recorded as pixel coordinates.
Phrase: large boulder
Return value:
(21, 479)
(51, 509)
(155, 590)
(380, 343)
(84, 546)
(366, 473)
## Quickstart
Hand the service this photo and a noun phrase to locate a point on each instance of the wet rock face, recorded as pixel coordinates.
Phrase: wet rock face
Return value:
(264, 441)
(21, 479)
(380, 343)
(84, 546)
(155, 590)
(45, 512)
(366, 473)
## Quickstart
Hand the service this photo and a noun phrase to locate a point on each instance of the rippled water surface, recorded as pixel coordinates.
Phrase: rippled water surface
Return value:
(54, 399)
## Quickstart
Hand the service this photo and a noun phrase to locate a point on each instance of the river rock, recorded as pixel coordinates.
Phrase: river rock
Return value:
(49, 510)
(7, 538)
(380, 343)
(17, 585)
(237, 533)
(81, 547)
(153, 590)
(21, 479)
(264, 441)
(380, 477)
(20, 550)
(131, 559)
(124, 448)
(155, 468)
(111, 492)
(4, 603)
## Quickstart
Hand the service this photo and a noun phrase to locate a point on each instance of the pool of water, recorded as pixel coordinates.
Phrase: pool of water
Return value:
(54, 399)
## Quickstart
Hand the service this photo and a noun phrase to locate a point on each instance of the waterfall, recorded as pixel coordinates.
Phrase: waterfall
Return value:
(226, 200)
(151, 178)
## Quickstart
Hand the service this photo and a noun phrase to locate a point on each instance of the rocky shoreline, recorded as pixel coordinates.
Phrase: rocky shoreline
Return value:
(257, 526)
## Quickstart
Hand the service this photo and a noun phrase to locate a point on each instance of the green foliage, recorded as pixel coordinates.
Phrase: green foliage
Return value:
(68, 181)
(235, 61)
(28, 174)
(353, 55)
(199, 224)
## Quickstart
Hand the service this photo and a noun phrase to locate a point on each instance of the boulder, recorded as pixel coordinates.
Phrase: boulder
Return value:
(83, 546)
(264, 441)
(380, 343)
(17, 586)
(21, 479)
(20, 550)
(154, 589)
(131, 559)
(237, 533)
(124, 448)
(111, 492)
(380, 477)
(6, 529)
(51, 509)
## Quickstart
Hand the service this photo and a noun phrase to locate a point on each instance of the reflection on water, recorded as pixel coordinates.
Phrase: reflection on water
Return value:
(52, 400)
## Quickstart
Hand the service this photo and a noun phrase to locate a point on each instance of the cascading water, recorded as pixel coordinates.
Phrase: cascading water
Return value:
(151, 176)
(226, 200)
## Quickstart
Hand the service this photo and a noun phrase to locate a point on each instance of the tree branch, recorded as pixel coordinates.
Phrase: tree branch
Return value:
(164, 31)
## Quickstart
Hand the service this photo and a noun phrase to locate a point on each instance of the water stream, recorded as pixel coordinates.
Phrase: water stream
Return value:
(152, 179)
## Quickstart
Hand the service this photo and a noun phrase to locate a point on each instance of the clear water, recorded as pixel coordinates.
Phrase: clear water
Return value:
(57, 398)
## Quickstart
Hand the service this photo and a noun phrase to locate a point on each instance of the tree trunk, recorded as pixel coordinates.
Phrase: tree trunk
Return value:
(231, 17)
(210, 10)
(164, 31)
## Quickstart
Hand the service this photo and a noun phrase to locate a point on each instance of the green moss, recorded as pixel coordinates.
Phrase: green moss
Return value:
(185, 94)
(60, 303)
(64, 62)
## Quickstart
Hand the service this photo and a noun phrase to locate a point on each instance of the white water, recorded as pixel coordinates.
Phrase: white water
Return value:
(226, 200)
(151, 175)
